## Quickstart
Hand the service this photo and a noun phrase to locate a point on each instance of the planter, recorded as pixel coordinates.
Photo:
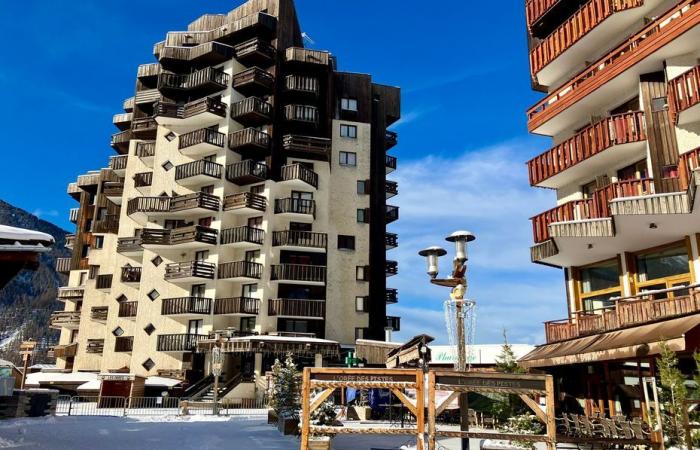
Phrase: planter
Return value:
(319, 443)
(359, 413)
(271, 416)
(288, 425)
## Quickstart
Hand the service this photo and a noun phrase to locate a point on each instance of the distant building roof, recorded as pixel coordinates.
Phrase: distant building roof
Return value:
(14, 239)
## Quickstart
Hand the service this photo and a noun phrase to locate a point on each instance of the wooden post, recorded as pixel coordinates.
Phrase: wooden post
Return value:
(420, 409)
(305, 408)
(551, 414)
(431, 411)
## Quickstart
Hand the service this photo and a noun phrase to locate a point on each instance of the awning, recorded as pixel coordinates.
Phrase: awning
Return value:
(273, 345)
(630, 343)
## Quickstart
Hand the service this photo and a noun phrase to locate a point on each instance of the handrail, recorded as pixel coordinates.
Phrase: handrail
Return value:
(299, 172)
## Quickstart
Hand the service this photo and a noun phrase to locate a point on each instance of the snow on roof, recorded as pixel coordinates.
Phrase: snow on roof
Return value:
(270, 338)
(55, 377)
(482, 354)
(161, 381)
(93, 385)
(44, 366)
(20, 239)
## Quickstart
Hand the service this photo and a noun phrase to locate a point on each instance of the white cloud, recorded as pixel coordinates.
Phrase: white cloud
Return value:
(414, 115)
(484, 191)
(45, 213)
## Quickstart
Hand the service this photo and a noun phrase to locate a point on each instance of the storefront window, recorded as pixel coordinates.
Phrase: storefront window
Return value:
(598, 283)
(666, 263)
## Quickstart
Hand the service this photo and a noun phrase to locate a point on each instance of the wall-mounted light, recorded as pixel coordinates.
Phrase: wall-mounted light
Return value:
(590, 246)
(653, 226)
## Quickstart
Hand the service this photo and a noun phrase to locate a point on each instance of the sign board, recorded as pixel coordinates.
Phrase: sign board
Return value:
(493, 382)
(365, 377)
(216, 361)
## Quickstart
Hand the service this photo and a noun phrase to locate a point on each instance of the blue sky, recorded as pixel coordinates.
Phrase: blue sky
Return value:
(463, 140)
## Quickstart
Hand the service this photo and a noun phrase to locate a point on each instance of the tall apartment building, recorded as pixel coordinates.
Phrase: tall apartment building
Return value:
(248, 197)
(621, 85)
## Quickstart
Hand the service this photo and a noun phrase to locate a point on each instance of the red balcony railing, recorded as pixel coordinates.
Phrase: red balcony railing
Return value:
(687, 163)
(534, 9)
(684, 92)
(614, 130)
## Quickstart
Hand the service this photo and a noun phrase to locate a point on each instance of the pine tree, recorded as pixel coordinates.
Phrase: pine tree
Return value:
(673, 392)
(506, 361)
(285, 397)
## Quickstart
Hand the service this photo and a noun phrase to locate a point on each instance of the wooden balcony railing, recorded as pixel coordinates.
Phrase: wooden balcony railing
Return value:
(296, 238)
(310, 145)
(246, 172)
(203, 136)
(240, 269)
(664, 28)
(615, 130)
(113, 188)
(296, 308)
(248, 138)
(65, 319)
(295, 206)
(145, 149)
(301, 113)
(213, 51)
(66, 351)
(253, 81)
(222, 29)
(299, 172)
(146, 96)
(596, 207)
(129, 245)
(95, 346)
(212, 105)
(391, 240)
(107, 224)
(103, 281)
(684, 92)
(128, 104)
(299, 272)
(392, 213)
(178, 342)
(148, 205)
(120, 141)
(63, 265)
(196, 168)
(245, 200)
(305, 55)
(194, 233)
(208, 75)
(534, 9)
(124, 344)
(393, 322)
(143, 179)
(128, 309)
(589, 16)
(144, 127)
(255, 50)
(302, 83)
(687, 163)
(185, 305)
(237, 305)
(242, 234)
(391, 139)
(392, 268)
(70, 293)
(626, 312)
(131, 274)
(99, 313)
(148, 70)
(251, 111)
(193, 201)
(392, 295)
(190, 269)
(155, 236)
(118, 162)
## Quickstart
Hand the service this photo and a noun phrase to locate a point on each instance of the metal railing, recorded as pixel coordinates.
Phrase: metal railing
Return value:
(242, 234)
(299, 272)
(299, 172)
(251, 107)
(128, 309)
(201, 136)
(247, 171)
(237, 305)
(185, 305)
(153, 406)
(240, 269)
(195, 168)
(296, 307)
(299, 239)
(295, 206)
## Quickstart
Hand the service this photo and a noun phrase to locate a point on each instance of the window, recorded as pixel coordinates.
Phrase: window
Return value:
(198, 290)
(348, 131)
(252, 255)
(148, 364)
(670, 262)
(257, 189)
(157, 261)
(363, 216)
(598, 283)
(149, 329)
(255, 222)
(249, 290)
(361, 304)
(99, 242)
(362, 273)
(348, 104)
(658, 104)
(170, 136)
(362, 187)
(101, 213)
(634, 171)
(167, 165)
(118, 331)
(346, 242)
(153, 294)
(247, 324)
(348, 159)
(201, 255)
(589, 188)
(360, 333)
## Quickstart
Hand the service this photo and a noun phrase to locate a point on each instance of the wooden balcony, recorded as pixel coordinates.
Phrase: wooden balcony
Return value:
(625, 312)
(186, 306)
(199, 113)
(251, 112)
(124, 344)
(129, 246)
(390, 163)
(145, 149)
(120, 141)
(70, 241)
(197, 173)
(200, 142)
(113, 190)
(70, 294)
(74, 191)
(237, 306)
(614, 136)
(63, 265)
(240, 271)
(148, 71)
(204, 54)
(535, 9)
(147, 206)
(246, 172)
(392, 296)
(103, 282)
(298, 207)
(391, 240)
(296, 308)
(65, 351)
(310, 147)
(118, 164)
(303, 114)
(299, 176)
(242, 237)
(254, 82)
(245, 203)
(391, 139)
(143, 179)
(73, 215)
(300, 240)
(223, 29)
(684, 97)
(305, 56)
(302, 84)
(197, 84)
(176, 239)
(128, 309)
(99, 313)
(131, 274)
(391, 188)
(393, 322)
(95, 346)
(65, 319)
(147, 97)
(392, 214)
(249, 142)
(109, 224)
(255, 52)
(299, 274)
(128, 105)
(596, 207)
(144, 128)
(179, 343)
(645, 46)
(190, 271)
(582, 24)
(123, 121)
(392, 268)
(196, 203)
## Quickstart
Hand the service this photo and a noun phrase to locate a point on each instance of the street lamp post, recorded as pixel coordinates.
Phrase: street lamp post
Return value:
(458, 284)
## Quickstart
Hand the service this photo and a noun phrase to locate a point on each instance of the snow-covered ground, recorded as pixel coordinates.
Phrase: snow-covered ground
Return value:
(172, 432)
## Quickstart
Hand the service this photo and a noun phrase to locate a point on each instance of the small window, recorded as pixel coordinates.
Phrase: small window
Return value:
(360, 333)
(148, 364)
(167, 165)
(348, 131)
(257, 189)
(362, 216)
(669, 171)
(149, 329)
(201, 255)
(362, 273)
(122, 298)
(361, 304)
(99, 242)
(348, 104)
(153, 294)
(348, 159)
(83, 278)
(157, 261)
(658, 104)
(170, 136)
(346, 242)
(362, 187)
(118, 331)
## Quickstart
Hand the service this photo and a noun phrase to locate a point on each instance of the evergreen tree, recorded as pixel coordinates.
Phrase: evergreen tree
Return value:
(506, 361)
(672, 394)
(285, 396)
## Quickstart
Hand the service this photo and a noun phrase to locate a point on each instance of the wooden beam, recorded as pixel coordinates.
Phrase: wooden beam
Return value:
(443, 406)
(405, 400)
(305, 412)
(551, 414)
(535, 407)
(420, 410)
(432, 413)
(319, 399)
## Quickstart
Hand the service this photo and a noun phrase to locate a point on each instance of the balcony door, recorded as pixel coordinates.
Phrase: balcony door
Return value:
(249, 290)
(198, 290)
(195, 326)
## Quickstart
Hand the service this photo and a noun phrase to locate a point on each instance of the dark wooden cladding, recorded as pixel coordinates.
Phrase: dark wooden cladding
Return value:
(128, 309)
(148, 205)
(131, 274)
(296, 308)
(307, 56)
(103, 281)
(303, 84)
(245, 200)
(296, 238)
(145, 149)
(65, 319)
(196, 200)
(393, 322)
(254, 81)
(617, 129)
(206, 53)
(299, 272)
(124, 344)
(240, 269)
(392, 295)
(299, 172)
(237, 305)
(295, 206)
(249, 139)
(684, 92)
(301, 113)
(251, 111)
(120, 141)
(392, 268)
(195, 168)
(246, 172)
(95, 346)
(178, 342)
(190, 269)
(392, 213)
(108, 224)
(144, 128)
(255, 51)
(392, 240)
(307, 146)
(202, 136)
(242, 234)
(661, 135)
(232, 28)
(185, 305)
(212, 105)
(143, 179)
(99, 313)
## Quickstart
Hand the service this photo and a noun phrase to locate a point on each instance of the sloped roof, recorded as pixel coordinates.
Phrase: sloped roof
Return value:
(22, 240)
